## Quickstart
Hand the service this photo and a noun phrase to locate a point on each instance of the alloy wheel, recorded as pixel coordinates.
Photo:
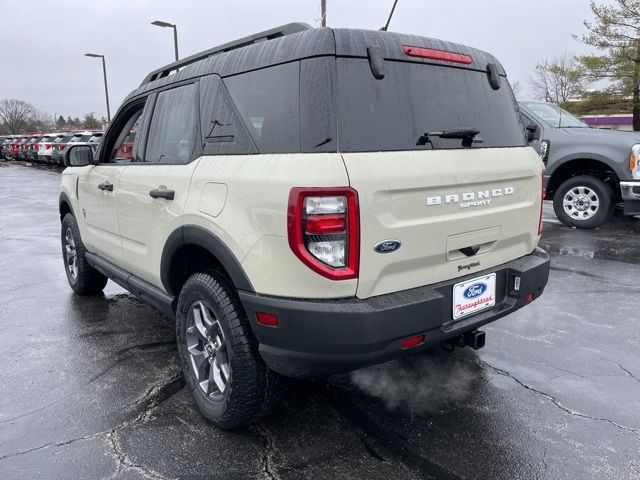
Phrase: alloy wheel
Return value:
(71, 254)
(208, 352)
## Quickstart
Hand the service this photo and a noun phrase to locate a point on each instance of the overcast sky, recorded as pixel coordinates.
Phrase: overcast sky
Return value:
(43, 45)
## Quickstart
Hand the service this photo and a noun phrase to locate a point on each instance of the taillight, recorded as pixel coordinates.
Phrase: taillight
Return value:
(543, 194)
(48, 145)
(61, 146)
(441, 55)
(324, 230)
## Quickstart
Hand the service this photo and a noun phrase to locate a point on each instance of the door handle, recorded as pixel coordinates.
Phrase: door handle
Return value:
(162, 193)
(106, 187)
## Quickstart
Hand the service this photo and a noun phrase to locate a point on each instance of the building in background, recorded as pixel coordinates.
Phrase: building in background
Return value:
(620, 121)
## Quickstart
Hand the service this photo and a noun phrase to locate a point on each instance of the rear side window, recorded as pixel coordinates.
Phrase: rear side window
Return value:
(413, 99)
(268, 102)
(173, 130)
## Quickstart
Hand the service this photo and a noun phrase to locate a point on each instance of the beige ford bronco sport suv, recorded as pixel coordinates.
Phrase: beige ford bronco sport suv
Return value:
(308, 201)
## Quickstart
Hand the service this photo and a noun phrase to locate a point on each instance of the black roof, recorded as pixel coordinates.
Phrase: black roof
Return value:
(297, 41)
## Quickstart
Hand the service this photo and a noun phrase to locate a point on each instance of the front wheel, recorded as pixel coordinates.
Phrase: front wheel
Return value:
(228, 379)
(583, 202)
(82, 277)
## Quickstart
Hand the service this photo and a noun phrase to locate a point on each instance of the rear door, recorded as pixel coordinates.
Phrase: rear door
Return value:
(153, 189)
(455, 209)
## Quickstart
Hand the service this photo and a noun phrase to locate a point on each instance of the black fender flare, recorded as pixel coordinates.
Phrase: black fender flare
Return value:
(64, 198)
(198, 236)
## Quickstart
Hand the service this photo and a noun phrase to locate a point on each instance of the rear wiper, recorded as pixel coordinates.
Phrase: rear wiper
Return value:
(466, 134)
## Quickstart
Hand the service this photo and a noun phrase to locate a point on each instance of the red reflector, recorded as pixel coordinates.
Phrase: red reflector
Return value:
(528, 298)
(267, 319)
(437, 55)
(325, 224)
(413, 341)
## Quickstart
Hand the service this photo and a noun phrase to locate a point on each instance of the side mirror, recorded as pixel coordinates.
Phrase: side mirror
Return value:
(78, 156)
(532, 128)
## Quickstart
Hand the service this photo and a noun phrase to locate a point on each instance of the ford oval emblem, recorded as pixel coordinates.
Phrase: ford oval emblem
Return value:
(387, 246)
(475, 290)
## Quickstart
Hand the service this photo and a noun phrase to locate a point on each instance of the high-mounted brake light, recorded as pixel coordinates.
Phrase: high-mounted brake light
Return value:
(323, 226)
(432, 54)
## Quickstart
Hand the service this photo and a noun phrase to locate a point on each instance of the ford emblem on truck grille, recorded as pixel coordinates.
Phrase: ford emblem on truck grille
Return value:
(475, 290)
(387, 246)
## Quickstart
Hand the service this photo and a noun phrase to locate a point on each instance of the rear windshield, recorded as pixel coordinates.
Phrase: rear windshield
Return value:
(413, 99)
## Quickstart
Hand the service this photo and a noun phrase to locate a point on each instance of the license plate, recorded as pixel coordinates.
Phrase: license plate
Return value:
(474, 296)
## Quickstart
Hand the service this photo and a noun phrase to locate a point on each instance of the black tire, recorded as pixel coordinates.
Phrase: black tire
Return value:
(244, 389)
(583, 202)
(86, 280)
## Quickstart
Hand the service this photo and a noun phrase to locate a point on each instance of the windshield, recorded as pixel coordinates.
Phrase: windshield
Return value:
(418, 106)
(554, 115)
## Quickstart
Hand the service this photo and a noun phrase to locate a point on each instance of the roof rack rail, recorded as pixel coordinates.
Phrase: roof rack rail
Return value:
(277, 32)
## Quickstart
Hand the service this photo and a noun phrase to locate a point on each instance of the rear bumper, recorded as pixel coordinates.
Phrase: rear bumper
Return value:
(631, 196)
(318, 338)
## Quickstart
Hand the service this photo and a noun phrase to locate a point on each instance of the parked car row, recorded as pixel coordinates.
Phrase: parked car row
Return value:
(44, 148)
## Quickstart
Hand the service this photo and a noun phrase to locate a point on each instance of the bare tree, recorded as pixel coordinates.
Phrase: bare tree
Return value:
(557, 80)
(40, 121)
(15, 114)
(517, 88)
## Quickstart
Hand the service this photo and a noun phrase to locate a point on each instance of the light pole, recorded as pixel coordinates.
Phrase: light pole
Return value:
(159, 23)
(393, 9)
(106, 89)
(323, 13)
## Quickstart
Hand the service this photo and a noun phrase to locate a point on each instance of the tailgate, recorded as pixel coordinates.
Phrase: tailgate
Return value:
(455, 212)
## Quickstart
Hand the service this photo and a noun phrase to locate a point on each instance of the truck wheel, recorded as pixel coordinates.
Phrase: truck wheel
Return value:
(583, 202)
(228, 379)
(82, 277)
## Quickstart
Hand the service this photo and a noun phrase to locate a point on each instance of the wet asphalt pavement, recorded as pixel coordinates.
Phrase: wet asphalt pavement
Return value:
(90, 388)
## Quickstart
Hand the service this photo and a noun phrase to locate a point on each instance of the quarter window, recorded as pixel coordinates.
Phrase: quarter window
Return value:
(172, 134)
(267, 101)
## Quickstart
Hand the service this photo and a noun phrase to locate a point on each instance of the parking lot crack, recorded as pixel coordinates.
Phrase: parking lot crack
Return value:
(595, 276)
(146, 346)
(557, 402)
(155, 396)
(373, 453)
(269, 465)
(52, 445)
(125, 463)
(626, 371)
(393, 442)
